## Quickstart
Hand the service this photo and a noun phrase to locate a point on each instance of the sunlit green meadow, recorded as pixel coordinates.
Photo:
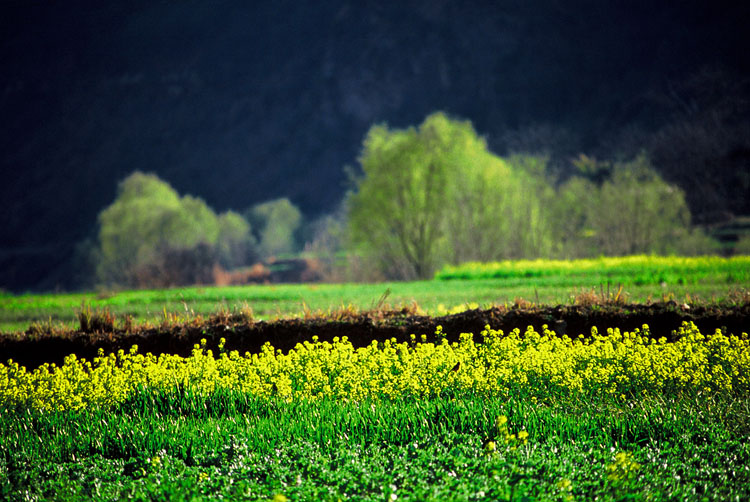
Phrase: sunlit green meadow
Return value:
(502, 416)
(639, 279)
(229, 446)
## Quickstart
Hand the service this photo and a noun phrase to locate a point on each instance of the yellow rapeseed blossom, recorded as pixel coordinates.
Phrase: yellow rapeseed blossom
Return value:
(617, 364)
(624, 468)
(696, 265)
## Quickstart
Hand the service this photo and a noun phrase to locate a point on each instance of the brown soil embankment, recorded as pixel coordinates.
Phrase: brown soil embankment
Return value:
(31, 350)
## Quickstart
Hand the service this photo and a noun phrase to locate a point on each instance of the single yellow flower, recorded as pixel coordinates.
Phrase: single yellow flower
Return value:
(565, 485)
(523, 436)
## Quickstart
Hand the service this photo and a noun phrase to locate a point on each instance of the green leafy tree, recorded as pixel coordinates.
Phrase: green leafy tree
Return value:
(570, 224)
(435, 194)
(531, 211)
(637, 211)
(150, 236)
(235, 244)
(143, 219)
(275, 224)
(397, 215)
(497, 210)
(629, 210)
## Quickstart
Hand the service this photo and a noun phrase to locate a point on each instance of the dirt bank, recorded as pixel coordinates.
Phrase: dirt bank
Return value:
(243, 335)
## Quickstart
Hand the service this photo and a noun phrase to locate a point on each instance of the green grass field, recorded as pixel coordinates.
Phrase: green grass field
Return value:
(642, 279)
(176, 446)
(521, 417)
(531, 418)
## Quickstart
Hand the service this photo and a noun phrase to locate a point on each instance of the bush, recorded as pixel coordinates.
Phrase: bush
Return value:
(151, 237)
(627, 209)
(275, 224)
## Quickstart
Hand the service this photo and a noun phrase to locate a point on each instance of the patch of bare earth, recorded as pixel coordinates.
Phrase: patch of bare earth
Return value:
(245, 335)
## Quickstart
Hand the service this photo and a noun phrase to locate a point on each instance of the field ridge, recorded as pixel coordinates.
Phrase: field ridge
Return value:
(241, 333)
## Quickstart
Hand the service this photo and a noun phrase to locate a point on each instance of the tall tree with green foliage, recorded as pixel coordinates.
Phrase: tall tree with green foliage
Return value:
(397, 215)
(435, 194)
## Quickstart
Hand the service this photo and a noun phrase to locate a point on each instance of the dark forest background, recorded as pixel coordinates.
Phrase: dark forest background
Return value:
(242, 102)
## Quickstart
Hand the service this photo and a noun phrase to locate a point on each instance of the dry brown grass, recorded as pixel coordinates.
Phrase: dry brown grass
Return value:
(590, 297)
(95, 321)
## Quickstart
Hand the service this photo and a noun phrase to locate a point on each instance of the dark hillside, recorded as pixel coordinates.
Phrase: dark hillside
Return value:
(238, 102)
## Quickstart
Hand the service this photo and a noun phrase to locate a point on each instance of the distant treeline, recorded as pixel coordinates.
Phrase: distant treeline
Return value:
(151, 237)
(425, 197)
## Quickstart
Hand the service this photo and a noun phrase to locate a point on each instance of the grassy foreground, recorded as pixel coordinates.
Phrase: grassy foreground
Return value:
(502, 416)
(229, 446)
(535, 417)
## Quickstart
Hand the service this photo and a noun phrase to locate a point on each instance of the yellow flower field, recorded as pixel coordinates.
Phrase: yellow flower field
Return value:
(617, 364)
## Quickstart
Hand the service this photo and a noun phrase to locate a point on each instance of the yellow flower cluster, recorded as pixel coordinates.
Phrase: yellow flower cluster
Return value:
(441, 309)
(504, 436)
(624, 468)
(622, 264)
(618, 364)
